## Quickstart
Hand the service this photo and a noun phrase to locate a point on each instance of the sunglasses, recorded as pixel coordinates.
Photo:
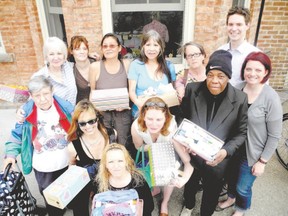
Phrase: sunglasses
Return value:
(110, 46)
(155, 104)
(90, 122)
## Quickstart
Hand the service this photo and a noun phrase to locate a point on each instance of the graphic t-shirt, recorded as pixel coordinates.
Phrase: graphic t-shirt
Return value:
(50, 145)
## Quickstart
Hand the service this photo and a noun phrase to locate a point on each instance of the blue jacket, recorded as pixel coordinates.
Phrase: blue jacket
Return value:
(22, 136)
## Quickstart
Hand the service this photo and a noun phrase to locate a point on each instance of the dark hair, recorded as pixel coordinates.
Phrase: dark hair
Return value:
(162, 68)
(117, 41)
(263, 59)
(241, 11)
(200, 47)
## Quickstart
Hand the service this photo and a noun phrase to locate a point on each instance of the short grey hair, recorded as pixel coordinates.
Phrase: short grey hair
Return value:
(37, 83)
(54, 42)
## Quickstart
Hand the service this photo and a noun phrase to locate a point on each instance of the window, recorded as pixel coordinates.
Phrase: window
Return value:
(51, 18)
(131, 17)
(2, 47)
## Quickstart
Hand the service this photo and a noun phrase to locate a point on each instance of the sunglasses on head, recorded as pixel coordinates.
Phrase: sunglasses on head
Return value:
(155, 104)
(90, 122)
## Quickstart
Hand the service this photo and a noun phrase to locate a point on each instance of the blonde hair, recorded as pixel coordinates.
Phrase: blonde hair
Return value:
(103, 175)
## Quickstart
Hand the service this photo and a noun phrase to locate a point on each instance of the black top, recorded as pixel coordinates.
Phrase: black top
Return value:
(84, 159)
(144, 193)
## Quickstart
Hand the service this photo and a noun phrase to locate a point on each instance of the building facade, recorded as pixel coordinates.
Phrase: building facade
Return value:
(25, 24)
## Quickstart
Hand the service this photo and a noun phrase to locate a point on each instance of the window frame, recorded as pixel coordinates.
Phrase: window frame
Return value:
(188, 20)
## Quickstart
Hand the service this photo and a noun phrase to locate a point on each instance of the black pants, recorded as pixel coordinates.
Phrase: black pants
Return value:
(212, 182)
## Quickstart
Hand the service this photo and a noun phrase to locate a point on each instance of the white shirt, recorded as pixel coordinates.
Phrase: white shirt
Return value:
(238, 57)
(50, 145)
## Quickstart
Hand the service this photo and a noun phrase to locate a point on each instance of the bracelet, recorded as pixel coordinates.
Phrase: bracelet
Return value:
(261, 161)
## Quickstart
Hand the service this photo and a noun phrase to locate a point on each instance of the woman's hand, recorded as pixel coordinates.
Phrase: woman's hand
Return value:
(258, 169)
(20, 116)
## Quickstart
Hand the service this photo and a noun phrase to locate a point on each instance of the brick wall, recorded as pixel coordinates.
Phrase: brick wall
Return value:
(83, 17)
(21, 34)
(273, 38)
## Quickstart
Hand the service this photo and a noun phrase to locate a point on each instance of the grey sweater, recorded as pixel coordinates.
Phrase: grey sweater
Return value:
(264, 125)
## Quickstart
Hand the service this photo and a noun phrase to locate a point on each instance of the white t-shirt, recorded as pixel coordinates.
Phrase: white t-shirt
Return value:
(50, 145)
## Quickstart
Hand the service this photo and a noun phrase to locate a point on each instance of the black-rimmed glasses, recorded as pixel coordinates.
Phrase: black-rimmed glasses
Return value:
(194, 55)
(90, 122)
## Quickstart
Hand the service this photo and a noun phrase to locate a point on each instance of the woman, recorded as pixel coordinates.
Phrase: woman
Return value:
(151, 70)
(110, 73)
(58, 70)
(195, 55)
(78, 50)
(89, 138)
(155, 124)
(117, 172)
(264, 130)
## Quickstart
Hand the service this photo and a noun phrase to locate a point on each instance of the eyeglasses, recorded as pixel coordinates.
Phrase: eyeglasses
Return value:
(90, 122)
(155, 104)
(194, 55)
(110, 46)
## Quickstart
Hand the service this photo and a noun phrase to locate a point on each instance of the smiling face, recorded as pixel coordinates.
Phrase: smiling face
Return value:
(90, 127)
(151, 49)
(55, 57)
(216, 81)
(254, 72)
(116, 163)
(154, 120)
(110, 48)
(80, 53)
(236, 28)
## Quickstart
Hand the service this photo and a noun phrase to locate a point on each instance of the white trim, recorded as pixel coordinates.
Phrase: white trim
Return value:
(189, 20)
(55, 10)
(147, 7)
(2, 47)
(107, 24)
(42, 19)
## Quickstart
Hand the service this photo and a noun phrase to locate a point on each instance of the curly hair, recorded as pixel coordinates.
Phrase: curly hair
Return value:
(103, 175)
(85, 105)
(153, 104)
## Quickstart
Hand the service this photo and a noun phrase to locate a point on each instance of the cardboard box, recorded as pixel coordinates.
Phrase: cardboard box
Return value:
(110, 99)
(168, 94)
(203, 143)
(66, 186)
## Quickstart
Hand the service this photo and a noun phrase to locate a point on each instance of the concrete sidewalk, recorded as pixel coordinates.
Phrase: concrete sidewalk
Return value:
(270, 191)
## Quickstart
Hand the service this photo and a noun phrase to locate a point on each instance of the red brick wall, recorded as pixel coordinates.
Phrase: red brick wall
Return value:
(21, 34)
(273, 38)
(210, 24)
(83, 17)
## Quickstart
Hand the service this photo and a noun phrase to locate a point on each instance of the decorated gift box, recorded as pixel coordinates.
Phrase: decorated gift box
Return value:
(66, 186)
(14, 93)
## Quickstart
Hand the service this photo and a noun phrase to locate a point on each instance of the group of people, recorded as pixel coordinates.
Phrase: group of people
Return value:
(229, 97)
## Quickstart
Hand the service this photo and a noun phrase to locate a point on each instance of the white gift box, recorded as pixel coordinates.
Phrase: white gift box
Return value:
(202, 142)
(110, 99)
(66, 187)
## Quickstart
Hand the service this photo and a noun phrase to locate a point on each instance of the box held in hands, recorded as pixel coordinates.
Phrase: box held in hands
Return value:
(66, 187)
(202, 142)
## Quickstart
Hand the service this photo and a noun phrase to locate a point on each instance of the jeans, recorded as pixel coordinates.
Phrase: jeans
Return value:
(244, 186)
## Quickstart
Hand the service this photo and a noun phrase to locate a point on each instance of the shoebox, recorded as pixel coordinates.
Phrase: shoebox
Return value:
(66, 187)
(200, 141)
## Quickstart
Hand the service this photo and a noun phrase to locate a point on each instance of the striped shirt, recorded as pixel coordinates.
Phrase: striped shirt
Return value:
(66, 90)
